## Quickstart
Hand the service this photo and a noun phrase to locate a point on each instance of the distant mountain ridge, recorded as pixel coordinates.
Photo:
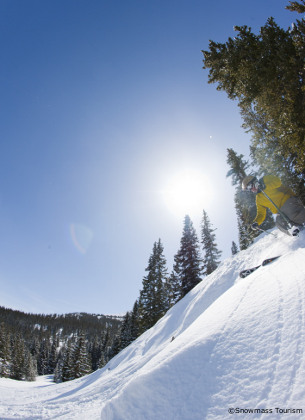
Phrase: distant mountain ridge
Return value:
(66, 324)
(37, 344)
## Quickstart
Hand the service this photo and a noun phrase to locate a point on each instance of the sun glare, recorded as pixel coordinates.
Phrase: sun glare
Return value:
(187, 192)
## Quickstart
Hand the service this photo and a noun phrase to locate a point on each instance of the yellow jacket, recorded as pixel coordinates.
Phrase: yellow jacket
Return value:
(278, 193)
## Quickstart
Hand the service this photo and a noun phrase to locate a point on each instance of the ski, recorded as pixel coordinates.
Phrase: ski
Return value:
(295, 230)
(245, 273)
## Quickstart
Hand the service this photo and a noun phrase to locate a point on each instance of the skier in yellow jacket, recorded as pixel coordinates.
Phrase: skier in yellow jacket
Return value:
(278, 197)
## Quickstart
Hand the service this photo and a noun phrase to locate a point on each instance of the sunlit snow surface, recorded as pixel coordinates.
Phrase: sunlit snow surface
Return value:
(230, 343)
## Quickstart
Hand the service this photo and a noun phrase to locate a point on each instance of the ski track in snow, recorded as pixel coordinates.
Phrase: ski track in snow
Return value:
(278, 295)
(300, 341)
(299, 335)
(233, 312)
(237, 343)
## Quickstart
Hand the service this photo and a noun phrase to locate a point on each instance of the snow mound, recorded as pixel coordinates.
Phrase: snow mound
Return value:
(230, 344)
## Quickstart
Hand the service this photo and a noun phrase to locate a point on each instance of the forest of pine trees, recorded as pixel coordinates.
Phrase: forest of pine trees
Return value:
(68, 346)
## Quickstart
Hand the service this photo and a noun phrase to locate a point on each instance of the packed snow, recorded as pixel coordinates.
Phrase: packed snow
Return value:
(231, 345)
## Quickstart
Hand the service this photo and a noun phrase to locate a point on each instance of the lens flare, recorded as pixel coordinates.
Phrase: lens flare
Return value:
(81, 237)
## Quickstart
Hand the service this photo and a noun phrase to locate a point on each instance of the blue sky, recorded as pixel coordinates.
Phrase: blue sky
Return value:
(103, 104)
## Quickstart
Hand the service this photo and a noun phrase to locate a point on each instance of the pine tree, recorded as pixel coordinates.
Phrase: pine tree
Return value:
(234, 248)
(245, 216)
(95, 353)
(81, 359)
(134, 322)
(52, 360)
(106, 345)
(17, 367)
(115, 348)
(264, 72)
(102, 361)
(43, 358)
(172, 289)
(296, 6)
(244, 201)
(239, 167)
(5, 352)
(35, 347)
(152, 300)
(211, 252)
(30, 366)
(187, 260)
(59, 366)
(125, 336)
(67, 363)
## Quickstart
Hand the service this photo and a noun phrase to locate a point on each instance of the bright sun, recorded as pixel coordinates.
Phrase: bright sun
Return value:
(187, 192)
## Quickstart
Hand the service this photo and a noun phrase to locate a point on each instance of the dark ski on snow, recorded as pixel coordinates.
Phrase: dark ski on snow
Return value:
(248, 271)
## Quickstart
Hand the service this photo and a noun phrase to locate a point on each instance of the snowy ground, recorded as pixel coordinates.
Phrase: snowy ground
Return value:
(230, 344)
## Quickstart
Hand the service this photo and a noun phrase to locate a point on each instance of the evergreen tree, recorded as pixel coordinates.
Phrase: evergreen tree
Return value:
(106, 345)
(265, 74)
(152, 301)
(244, 201)
(234, 248)
(95, 353)
(81, 359)
(43, 358)
(67, 363)
(239, 167)
(102, 361)
(59, 366)
(115, 348)
(296, 6)
(187, 260)
(245, 212)
(5, 352)
(211, 253)
(125, 336)
(30, 366)
(134, 322)
(52, 361)
(35, 347)
(18, 358)
(172, 289)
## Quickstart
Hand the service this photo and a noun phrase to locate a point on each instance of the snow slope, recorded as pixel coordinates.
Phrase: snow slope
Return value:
(230, 343)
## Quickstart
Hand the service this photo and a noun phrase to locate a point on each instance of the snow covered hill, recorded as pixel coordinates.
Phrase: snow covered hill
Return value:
(231, 344)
